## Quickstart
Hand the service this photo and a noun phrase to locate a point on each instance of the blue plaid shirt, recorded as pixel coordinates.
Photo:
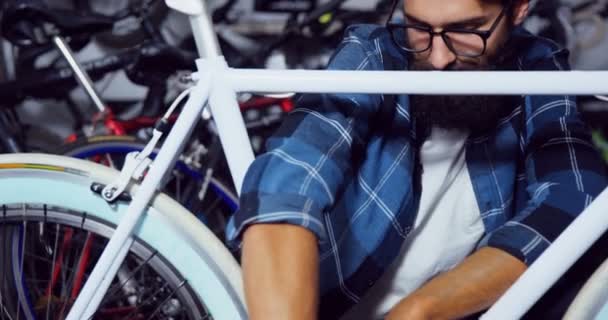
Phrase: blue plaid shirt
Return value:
(345, 167)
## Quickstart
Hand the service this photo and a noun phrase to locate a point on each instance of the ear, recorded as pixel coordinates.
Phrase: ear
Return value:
(520, 11)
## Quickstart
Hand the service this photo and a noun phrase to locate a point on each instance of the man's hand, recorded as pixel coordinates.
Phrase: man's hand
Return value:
(411, 309)
(472, 286)
(280, 269)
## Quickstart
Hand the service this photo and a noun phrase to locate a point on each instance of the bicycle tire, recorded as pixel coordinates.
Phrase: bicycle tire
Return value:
(201, 259)
(222, 200)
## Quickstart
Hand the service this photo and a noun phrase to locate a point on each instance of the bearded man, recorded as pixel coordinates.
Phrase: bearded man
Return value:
(415, 207)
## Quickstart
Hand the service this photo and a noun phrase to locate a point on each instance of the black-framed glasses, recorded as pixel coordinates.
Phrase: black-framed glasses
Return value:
(417, 38)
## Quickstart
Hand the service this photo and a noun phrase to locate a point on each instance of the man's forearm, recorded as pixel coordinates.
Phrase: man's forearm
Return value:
(472, 286)
(280, 269)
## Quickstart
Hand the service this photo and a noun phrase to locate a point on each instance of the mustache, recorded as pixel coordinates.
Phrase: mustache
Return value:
(455, 66)
(477, 113)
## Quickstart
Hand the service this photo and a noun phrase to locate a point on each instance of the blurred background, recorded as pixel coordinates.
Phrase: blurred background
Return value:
(253, 33)
(137, 56)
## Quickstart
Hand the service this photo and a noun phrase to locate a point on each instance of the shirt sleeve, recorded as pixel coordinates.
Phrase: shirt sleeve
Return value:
(299, 176)
(564, 172)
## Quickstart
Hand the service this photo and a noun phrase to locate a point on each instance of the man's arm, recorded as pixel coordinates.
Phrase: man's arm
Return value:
(472, 286)
(280, 269)
(295, 182)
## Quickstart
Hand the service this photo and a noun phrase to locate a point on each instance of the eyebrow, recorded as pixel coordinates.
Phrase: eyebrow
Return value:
(479, 20)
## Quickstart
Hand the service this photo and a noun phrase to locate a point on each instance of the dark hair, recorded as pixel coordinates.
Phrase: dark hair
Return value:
(504, 2)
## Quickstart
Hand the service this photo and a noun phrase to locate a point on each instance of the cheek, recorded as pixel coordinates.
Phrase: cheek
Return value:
(421, 56)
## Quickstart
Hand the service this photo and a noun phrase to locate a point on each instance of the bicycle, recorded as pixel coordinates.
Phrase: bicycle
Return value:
(91, 197)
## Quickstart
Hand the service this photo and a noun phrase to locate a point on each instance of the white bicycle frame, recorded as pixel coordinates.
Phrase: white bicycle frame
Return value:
(218, 84)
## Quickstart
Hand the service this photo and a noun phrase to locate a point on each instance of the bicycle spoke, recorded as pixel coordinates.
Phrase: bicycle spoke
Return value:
(166, 300)
(37, 281)
(73, 258)
(83, 261)
(189, 193)
(110, 161)
(210, 210)
(2, 275)
(113, 292)
(64, 263)
(50, 292)
(70, 271)
(145, 302)
(60, 266)
(42, 259)
(205, 184)
(6, 312)
(178, 184)
(20, 275)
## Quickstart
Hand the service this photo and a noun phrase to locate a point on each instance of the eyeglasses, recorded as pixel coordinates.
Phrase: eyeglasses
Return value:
(417, 38)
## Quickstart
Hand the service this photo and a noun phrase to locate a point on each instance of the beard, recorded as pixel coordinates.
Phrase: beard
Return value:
(478, 114)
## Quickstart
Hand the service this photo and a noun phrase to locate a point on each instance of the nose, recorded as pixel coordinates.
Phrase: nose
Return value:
(441, 56)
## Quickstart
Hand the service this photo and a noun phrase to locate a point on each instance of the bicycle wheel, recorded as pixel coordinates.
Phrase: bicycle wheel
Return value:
(210, 199)
(51, 221)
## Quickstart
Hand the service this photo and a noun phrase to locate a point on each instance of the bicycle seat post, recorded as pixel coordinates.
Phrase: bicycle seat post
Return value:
(202, 26)
(81, 76)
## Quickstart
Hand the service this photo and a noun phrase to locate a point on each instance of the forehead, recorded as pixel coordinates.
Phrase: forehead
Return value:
(441, 12)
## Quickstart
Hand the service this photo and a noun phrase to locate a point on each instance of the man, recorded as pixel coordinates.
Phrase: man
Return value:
(415, 207)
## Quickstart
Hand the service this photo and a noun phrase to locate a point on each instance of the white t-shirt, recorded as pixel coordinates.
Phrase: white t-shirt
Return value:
(447, 228)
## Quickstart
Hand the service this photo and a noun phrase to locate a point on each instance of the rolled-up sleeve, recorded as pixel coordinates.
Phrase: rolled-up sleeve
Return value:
(564, 172)
(303, 170)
